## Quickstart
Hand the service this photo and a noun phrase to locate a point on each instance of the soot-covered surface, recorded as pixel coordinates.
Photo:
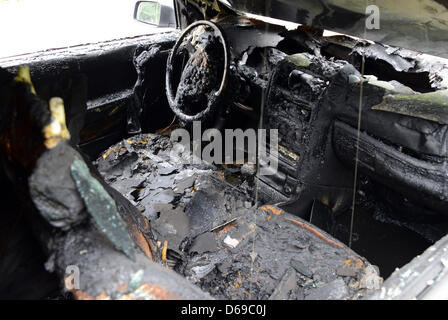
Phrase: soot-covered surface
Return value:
(209, 231)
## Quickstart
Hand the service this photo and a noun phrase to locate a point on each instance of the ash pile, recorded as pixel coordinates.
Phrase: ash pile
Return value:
(209, 230)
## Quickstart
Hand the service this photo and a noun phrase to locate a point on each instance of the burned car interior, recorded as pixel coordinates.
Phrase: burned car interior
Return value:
(96, 180)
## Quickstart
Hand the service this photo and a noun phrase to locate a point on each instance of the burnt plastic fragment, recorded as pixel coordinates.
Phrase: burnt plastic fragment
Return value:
(52, 189)
(102, 208)
(301, 268)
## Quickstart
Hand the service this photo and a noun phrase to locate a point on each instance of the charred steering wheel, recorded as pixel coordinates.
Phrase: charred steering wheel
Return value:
(199, 69)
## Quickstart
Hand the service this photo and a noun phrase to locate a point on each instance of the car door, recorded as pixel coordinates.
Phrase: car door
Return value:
(84, 52)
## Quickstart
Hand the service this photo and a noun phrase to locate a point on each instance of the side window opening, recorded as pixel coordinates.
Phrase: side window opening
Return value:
(30, 26)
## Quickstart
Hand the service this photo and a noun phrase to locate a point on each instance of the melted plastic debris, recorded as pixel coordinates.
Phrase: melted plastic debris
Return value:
(211, 207)
(430, 106)
(102, 208)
